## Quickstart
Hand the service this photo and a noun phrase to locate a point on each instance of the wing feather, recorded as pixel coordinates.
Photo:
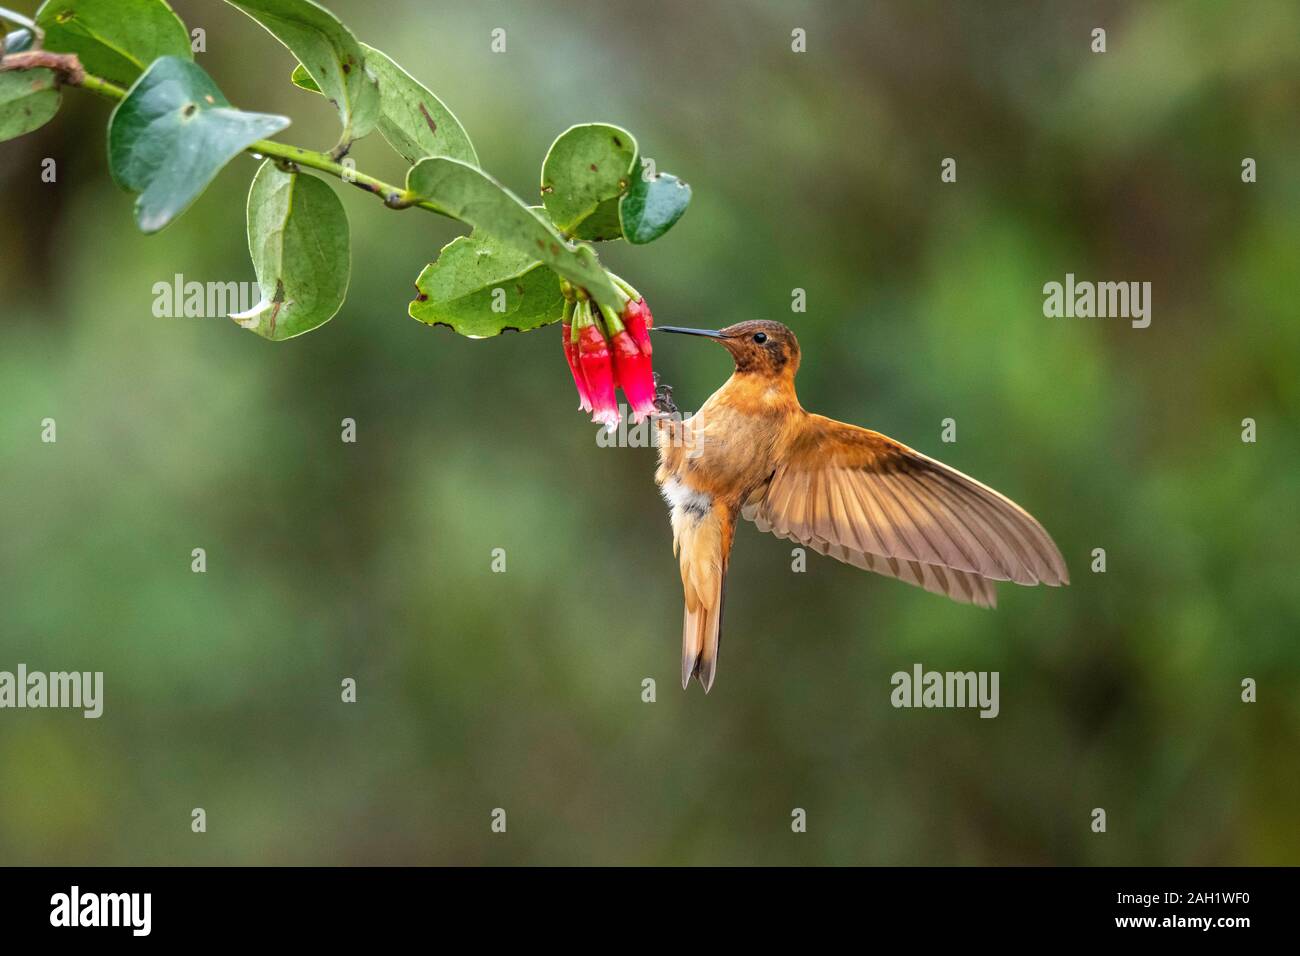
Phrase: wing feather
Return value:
(865, 499)
(958, 585)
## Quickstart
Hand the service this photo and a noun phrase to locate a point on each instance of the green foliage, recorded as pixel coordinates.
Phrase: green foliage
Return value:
(172, 134)
(114, 39)
(480, 287)
(589, 190)
(652, 206)
(302, 79)
(28, 100)
(586, 171)
(329, 53)
(298, 238)
(414, 122)
(174, 130)
(471, 195)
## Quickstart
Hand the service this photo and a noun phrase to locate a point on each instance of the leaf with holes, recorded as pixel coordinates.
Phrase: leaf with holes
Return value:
(586, 170)
(472, 196)
(298, 238)
(479, 288)
(28, 100)
(114, 39)
(414, 122)
(652, 206)
(329, 53)
(172, 134)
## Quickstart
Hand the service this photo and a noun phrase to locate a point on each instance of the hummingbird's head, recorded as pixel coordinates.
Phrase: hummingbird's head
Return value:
(758, 346)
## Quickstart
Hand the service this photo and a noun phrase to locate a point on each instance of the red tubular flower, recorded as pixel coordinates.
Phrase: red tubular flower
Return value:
(597, 367)
(633, 366)
(639, 321)
(571, 356)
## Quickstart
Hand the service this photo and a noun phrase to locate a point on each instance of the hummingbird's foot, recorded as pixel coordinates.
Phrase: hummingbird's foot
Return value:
(664, 397)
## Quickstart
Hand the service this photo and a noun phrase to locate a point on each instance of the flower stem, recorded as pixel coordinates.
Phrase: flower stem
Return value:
(625, 287)
(612, 322)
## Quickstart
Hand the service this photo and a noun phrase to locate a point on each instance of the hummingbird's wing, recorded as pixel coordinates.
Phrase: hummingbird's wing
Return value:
(962, 587)
(871, 501)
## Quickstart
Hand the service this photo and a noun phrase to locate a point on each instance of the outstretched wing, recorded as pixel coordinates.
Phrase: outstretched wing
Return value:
(870, 501)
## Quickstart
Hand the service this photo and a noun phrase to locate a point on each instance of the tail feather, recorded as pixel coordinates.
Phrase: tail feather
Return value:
(703, 539)
(701, 638)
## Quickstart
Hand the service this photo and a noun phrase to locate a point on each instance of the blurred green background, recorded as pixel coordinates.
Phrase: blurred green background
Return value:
(522, 690)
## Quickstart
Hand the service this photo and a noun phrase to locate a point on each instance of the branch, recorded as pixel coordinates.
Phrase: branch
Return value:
(66, 65)
(71, 73)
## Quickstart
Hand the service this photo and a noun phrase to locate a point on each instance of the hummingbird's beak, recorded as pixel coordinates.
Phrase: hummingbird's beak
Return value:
(709, 333)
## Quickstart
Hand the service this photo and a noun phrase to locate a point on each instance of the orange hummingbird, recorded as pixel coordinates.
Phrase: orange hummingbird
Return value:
(751, 451)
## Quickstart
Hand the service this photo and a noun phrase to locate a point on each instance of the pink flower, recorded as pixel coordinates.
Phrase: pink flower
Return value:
(637, 318)
(634, 374)
(571, 356)
(597, 367)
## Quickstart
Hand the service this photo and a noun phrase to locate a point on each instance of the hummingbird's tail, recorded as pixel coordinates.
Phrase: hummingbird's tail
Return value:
(703, 537)
(701, 635)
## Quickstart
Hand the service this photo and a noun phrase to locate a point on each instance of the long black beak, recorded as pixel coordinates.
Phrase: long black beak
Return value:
(681, 331)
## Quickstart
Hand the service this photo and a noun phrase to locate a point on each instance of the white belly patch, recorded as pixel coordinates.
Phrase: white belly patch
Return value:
(685, 500)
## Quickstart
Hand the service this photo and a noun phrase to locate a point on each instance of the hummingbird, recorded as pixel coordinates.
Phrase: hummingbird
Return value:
(753, 452)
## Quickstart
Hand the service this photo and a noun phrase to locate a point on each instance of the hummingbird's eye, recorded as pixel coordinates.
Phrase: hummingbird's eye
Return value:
(760, 337)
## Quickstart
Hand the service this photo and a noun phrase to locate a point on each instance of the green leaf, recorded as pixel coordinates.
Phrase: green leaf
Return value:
(28, 100)
(479, 287)
(652, 206)
(114, 39)
(172, 134)
(300, 77)
(329, 53)
(585, 172)
(414, 122)
(471, 195)
(298, 238)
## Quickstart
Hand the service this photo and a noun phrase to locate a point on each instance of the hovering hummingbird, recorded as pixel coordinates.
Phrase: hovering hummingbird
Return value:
(752, 452)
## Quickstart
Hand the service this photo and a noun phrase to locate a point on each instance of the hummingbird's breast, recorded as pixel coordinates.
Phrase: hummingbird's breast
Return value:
(725, 450)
